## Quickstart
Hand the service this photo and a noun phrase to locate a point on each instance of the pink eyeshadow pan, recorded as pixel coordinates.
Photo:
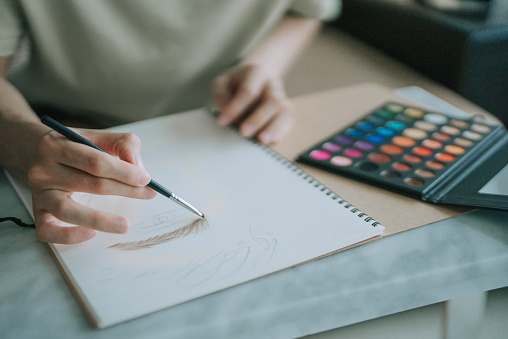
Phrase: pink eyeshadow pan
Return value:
(353, 153)
(332, 147)
(341, 161)
(320, 155)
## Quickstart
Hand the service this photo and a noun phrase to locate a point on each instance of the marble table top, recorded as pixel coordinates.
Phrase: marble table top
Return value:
(430, 264)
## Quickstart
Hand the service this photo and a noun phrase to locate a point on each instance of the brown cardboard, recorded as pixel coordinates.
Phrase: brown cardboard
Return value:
(322, 114)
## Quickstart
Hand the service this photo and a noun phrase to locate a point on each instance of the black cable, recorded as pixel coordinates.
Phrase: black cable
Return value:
(17, 222)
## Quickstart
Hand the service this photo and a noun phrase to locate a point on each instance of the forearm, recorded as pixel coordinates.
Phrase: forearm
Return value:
(282, 46)
(19, 127)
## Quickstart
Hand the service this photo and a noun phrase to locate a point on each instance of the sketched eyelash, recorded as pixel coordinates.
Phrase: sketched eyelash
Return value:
(195, 227)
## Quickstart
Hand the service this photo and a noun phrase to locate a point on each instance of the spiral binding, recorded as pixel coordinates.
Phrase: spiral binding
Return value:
(305, 176)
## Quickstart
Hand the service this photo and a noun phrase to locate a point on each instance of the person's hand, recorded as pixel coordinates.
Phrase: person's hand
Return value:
(254, 99)
(60, 167)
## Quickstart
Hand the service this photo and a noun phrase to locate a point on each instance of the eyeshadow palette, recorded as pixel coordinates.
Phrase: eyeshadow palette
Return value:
(423, 154)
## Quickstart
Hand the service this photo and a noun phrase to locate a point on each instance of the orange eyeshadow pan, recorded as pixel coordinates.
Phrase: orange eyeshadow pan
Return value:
(392, 149)
(403, 141)
(445, 157)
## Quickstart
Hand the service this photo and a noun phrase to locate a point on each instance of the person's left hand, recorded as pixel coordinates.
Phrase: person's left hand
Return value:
(256, 100)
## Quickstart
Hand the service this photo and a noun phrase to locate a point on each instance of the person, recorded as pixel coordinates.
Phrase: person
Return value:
(113, 62)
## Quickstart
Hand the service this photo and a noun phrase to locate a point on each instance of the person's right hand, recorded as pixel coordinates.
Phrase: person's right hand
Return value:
(60, 167)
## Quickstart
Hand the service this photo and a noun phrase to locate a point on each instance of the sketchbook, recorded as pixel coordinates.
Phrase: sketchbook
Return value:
(263, 214)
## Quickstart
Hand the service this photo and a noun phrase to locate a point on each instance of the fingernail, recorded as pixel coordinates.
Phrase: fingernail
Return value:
(247, 130)
(224, 120)
(120, 225)
(138, 161)
(266, 138)
(150, 193)
(87, 234)
(144, 178)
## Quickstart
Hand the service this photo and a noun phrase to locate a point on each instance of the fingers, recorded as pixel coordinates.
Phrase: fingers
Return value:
(272, 119)
(61, 167)
(126, 146)
(257, 101)
(53, 206)
(58, 150)
(245, 87)
(49, 230)
(221, 91)
(277, 129)
(102, 165)
(69, 179)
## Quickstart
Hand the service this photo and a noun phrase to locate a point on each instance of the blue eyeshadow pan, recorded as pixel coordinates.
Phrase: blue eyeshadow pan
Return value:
(375, 120)
(355, 133)
(365, 126)
(375, 138)
(385, 132)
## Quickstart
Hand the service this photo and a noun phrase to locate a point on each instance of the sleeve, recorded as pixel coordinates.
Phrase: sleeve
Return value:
(11, 27)
(325, 10)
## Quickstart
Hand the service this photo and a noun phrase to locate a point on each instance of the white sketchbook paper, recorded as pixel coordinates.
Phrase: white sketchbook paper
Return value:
(263, 215)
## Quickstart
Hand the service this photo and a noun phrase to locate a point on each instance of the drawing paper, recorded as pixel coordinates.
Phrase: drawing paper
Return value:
(262, 215)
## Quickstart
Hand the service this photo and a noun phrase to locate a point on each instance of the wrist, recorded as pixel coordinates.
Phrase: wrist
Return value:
(19, 145)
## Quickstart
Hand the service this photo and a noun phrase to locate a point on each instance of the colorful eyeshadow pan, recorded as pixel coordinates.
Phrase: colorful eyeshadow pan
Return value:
(403, 141)
(414, 181)
(364, 145)
(379, 157)
(375, 120)
(396, 125)
(445, 157)
(394, 108)
(376, 138)
(341, 161)
(422, 151)
(425, 125)
(471, 135)
(463, 142)
(438, 119)
(407, 149)
(320, 155)
(343, 140)
(384, 114)
(391, 149)
(365, 126)
(401, 166)
(355, 133)
(415, 133)
(431, 143)
(441, 136)
(353, 153)
(404, 119)
(455, 149)
(450, 130)
(414, 113)
(425, 173)
(390, 174)
(480, 128)
(435, 165)
(459, 123)
(332, 147)
(386, 132)
(414, 159)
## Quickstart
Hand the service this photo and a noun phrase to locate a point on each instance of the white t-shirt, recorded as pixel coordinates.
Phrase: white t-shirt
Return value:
(127, 60)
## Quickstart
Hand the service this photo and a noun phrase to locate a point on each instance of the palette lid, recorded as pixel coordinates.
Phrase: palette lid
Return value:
(484, 185)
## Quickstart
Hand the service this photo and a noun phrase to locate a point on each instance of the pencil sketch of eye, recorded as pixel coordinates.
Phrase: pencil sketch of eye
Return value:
(162, 220)
(195, 227)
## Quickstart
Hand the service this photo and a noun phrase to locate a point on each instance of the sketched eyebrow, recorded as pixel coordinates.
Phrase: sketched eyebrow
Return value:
(195, 227)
